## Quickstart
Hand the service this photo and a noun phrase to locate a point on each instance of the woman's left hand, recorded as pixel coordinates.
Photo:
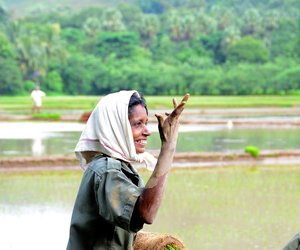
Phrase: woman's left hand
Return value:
(168, 125)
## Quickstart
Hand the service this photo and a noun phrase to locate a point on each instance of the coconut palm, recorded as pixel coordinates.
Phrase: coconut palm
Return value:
(36, 46)
(149, 28)
(181, 25)
(92, 26)
(252, 22)
(224, 16)
(112, 20)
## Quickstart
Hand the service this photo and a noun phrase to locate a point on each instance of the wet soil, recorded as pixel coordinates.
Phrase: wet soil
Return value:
(181, 160)
(240, 116)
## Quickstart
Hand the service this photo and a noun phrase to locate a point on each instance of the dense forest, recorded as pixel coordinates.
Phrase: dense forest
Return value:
(160, 47)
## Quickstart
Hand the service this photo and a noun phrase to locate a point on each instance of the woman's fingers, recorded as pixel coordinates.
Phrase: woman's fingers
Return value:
(175, 104)
(185, 98)
(160, 119)
(183, 102)
(175, 113)
(178, 109)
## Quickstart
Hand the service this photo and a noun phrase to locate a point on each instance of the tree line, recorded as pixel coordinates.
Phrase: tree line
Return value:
(160, 47)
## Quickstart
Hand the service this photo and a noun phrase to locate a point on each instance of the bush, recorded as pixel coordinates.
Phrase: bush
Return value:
(53, 82)
(46, 116)
(29, 85)
(252, 150)
(248, 49)
(288, 80)
(11, 77)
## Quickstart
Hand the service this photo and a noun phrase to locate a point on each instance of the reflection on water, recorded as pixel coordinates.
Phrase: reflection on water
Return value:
(35, 139)
(37, 147)
(35, 226)
(35, 209)
(38, 138)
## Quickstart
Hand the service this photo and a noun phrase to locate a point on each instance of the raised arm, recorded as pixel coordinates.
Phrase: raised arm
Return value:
(151, 197)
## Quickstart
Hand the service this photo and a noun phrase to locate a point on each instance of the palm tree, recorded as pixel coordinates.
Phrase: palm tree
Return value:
(149, 28)
(252, 23)
(36, 46)
(181, 25)
(112, 20)
(231, 35)
(92, 26)
(205, 24)
(224, 16)
(271, 20)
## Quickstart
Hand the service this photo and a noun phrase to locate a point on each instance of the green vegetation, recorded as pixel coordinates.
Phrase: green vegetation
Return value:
(87, 103)
(212, 209)
(252, 150)
(46, 116)
(160, 47)
(170, 247)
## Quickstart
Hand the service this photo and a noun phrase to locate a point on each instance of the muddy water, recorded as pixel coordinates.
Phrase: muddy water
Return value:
(35, 208)
(34, 226)
(25, 218)
(46, 138)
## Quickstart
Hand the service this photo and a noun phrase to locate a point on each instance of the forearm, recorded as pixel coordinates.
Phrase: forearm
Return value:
(151, 198)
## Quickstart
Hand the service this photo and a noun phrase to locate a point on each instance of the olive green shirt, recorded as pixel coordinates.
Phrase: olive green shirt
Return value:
(294, 243)
(103, 212)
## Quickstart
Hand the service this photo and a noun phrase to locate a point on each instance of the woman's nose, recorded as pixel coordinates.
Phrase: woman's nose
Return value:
(147, 131)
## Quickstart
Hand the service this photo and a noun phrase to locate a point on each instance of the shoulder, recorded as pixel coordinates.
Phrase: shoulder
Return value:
(101, 165)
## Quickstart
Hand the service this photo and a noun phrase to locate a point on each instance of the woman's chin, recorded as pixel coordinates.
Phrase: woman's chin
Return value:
(140, 150)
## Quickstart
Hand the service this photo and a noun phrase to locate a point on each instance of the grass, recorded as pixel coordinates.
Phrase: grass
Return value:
(46, 116)
(87, 103)
(232, 208)
(24, 103)
(252, 150)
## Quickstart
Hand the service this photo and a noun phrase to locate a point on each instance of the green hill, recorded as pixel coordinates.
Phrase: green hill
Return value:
(163, 47)
(22, 7)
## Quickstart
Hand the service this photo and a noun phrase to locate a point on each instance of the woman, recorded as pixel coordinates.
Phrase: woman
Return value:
(112, 203)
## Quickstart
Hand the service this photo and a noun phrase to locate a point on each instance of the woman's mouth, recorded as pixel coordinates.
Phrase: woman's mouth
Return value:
(141, 142)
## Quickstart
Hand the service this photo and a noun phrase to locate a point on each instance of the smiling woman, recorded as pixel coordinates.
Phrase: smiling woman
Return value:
(112, 203)
(138, 118)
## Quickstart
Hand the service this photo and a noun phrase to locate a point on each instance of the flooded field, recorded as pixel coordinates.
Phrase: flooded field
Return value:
(42, 138)
(250, 206)
(255, 208)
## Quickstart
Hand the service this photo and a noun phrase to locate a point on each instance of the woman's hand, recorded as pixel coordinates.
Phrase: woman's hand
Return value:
(150, 199)
(168, 125)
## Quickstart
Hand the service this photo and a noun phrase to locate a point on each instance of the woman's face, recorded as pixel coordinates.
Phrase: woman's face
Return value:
(138, 120)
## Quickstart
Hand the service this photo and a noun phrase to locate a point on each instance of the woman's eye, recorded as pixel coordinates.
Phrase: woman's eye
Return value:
(138, 124)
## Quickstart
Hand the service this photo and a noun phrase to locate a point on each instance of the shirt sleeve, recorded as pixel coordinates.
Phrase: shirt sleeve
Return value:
(136, 222)
(293, 244)
(116, 196)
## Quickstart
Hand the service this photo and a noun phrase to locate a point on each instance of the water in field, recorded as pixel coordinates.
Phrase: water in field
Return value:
(37, 206)
(34, 139)
(215, 209)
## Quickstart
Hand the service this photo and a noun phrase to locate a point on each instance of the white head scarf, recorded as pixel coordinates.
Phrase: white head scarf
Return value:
(108, 131)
